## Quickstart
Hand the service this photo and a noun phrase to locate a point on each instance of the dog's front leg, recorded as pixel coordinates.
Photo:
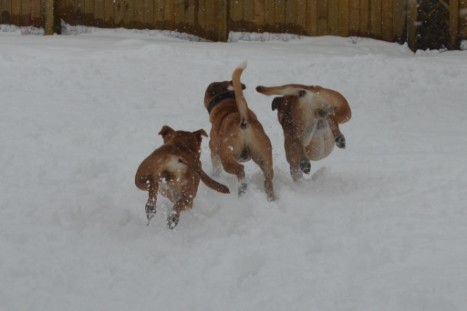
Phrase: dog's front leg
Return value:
(184, 202)
(151, 203)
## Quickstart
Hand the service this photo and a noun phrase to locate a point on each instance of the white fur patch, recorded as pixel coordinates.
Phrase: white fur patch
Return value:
(175, 166)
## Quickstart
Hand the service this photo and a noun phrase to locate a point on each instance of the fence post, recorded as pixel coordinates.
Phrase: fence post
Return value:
(49, 25)
(412, 15)
(222, 30)
(454, 23)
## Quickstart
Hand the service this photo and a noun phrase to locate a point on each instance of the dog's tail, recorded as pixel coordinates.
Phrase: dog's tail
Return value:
(240, 99)
(208, 181)
(211, 183)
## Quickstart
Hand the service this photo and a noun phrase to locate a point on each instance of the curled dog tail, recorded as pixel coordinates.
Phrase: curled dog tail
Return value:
(240, 99)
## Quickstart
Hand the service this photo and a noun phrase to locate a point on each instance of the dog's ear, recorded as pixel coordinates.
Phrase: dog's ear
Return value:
(166, 130)
(243, 86)
(277, 102)
(199, 133)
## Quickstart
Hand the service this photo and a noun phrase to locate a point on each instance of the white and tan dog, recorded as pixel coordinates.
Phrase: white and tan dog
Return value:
(174, 170)
(236, 134)
(310, 118)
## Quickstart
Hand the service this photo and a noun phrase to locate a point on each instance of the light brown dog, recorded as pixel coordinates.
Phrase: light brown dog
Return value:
(236, 134)
(310, 118)
(174, 170)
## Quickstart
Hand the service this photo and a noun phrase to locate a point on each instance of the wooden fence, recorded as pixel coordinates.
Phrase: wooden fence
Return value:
(390, 20)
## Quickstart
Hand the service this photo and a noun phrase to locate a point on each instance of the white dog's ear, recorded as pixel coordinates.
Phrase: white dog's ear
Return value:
(166, 130)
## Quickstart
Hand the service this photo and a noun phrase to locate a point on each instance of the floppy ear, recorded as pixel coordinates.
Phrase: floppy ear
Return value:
(166, 130)
(243, 86)
(276, 103)
(199, 133)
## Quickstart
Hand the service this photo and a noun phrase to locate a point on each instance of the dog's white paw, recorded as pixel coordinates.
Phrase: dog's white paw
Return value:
(150, 211)
(172, 220)
(340, 141)
(242, 189)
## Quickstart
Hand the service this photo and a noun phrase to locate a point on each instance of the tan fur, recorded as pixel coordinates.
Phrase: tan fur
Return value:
(310, 118)
(174, 170)
(236, 134)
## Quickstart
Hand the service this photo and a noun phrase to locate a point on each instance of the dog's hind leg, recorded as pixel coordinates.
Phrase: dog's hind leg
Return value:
(231, 166)
(215, 159)
(262, 155)
(150, 207)
(339, 137)
(184, 201)
(296, 158)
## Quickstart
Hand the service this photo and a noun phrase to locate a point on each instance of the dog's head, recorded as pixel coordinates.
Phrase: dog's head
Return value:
(218, 88)
(189, 139)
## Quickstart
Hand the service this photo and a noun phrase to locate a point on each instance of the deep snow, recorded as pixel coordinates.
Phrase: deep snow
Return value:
(381, 225)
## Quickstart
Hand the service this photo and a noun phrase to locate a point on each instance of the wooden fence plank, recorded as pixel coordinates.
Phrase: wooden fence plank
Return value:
(344, 18)
(412, 24)
(36, 13)
(387, 20)
(222, 29)
(99, 12)
(323, 17)
(159, 13)
(279, 12)
(210, 20)
(463, 19)
(290, 14)
(179, 12)
(301, 16)
(364, 17)
(333, 17)
(454, 23)
(398, 21)
(148, 13)
(312, 17)
(375, 18)
(269, 21)
(16, 12)
(5, 11)
(25, 18)
(354, 19)
(169, 14)
(109, 12)
(49, 13)
(259, 15)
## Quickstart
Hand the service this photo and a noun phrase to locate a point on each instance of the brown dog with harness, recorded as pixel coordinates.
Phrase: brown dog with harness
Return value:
(236, 134)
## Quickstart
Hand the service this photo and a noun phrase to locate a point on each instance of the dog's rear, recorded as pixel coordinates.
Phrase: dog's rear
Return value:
(236, 134)
(174, 170)
(310, 118)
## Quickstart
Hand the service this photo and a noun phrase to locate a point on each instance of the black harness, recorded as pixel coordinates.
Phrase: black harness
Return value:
(216, 100)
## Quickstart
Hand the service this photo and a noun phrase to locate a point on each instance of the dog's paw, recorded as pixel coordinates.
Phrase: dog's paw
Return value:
(150, 211)
(340, 141)
(172, 220)
(242, 189)
(305, 166)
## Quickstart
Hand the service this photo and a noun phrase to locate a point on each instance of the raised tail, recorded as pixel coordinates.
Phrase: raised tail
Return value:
(240, 99)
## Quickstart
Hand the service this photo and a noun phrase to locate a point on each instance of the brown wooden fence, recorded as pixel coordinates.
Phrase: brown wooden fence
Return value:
(390, 20)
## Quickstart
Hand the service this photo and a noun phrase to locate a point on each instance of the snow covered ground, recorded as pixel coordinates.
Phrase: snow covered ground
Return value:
(381, 225)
